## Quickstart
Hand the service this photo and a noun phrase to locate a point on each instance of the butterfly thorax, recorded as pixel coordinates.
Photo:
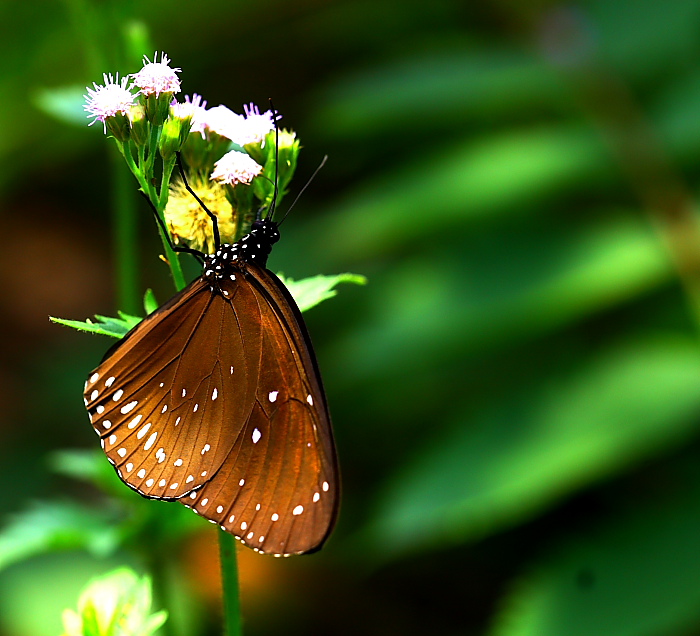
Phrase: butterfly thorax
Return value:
(254, 247)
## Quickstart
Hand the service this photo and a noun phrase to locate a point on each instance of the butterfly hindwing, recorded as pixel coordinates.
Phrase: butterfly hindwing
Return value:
(278, 490)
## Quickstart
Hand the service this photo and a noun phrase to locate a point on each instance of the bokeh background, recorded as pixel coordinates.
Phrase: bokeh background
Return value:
(515, 393)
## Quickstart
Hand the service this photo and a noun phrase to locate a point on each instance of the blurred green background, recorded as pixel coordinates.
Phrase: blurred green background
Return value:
(515, 394)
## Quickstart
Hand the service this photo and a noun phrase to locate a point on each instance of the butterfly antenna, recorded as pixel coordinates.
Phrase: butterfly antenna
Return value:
(175, 248)
(212, 216)
(306, 185)
(273, 203)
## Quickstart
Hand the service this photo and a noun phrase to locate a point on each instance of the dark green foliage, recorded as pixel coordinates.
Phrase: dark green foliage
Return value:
(516, 395)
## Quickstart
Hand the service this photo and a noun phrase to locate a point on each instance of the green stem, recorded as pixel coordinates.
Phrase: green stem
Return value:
(125, 246)
(160, 203)
(159, 200)
(233, 624)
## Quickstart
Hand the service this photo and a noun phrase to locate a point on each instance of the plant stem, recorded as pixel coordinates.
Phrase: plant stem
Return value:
(233, 625)
(125, 246)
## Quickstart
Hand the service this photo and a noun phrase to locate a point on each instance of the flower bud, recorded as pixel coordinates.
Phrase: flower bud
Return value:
(118, 126)
(157, 107)
(139, 125)
(175, 130)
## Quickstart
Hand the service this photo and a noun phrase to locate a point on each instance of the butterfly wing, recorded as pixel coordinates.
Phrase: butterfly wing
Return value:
(157, 402)
(278, 490)
(215, 399)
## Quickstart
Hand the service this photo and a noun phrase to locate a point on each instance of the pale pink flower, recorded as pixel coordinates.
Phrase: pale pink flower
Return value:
(240, 129)
(258, 125)
(223, 121)
(235, 167)
(157, 77)
(108, 100)
(195, 108)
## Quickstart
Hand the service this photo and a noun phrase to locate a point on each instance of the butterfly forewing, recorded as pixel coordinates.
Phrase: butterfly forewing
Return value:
(277, 491)
(157, 399)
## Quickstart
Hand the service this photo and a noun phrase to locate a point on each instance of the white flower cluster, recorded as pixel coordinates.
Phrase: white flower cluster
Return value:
(156, 78)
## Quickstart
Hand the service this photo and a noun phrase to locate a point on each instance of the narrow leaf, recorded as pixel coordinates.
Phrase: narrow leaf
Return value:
(103, 325)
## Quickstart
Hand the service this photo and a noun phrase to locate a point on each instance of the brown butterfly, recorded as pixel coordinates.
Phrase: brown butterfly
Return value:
(215, 400)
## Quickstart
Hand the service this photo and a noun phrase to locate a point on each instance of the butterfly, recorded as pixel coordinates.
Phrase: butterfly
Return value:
(215, 400)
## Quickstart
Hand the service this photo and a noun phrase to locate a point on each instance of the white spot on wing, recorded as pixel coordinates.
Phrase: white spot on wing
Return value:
(214, 394)
(117, 396)
(244, 525)
(100, 409)
(196, 406)
(164, 409)
(242, 482)
(109, 381)
(135, 422)
(143, 431)
(178, 462)
(325, 486)
(317, 496)
(219, 509)
(309, 399)
(206, 448)
(106, 423)
(142, 473)
(121, 452)
(150, 441)
(162, 483)
(189, 479)
(273, 395)
(129, 407)
(298, 510)
(232, 518)
(275, 517)
(204, 502)
(149, 483)
(184, 392)
(94, 394)
(129, 467)
(94, 378)
(112, 439)
(256, 436)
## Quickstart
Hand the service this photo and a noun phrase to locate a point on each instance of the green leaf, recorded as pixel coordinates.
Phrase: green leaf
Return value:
(522, 454)
(308, 293)
(104, 325)
(53, 526)
(635, 574)
(311, 291)
(64, 103)
(150, 304)
(88, 466)
(116, 604)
